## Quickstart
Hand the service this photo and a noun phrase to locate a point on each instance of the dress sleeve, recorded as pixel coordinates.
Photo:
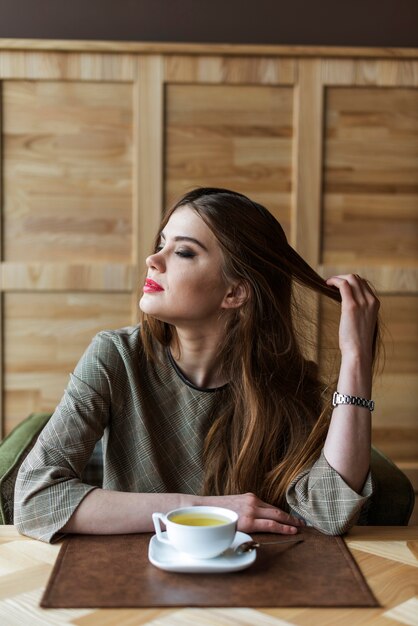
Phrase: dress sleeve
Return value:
(323, 499)
(48, 486)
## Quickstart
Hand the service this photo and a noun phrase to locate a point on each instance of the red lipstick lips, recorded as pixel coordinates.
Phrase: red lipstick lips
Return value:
(151, 286)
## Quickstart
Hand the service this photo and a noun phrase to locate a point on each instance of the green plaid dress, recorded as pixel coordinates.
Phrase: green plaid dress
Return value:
(153, 422)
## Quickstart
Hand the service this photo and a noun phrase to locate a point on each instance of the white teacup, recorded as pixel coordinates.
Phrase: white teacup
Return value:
(202, 532)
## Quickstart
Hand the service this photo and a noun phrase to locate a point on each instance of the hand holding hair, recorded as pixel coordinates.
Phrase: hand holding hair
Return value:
(359, 310)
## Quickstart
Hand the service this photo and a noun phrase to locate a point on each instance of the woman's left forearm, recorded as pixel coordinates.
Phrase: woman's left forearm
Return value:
(348, 443)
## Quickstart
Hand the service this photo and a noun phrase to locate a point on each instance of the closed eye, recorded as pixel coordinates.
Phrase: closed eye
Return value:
(186, 254)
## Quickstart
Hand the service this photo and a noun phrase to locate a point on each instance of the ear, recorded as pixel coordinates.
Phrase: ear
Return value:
(236, 295)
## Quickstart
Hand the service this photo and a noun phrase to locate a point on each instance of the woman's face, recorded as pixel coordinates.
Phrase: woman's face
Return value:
(185, 285)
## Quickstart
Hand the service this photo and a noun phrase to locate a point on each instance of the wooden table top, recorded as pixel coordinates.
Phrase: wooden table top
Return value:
(387, 556)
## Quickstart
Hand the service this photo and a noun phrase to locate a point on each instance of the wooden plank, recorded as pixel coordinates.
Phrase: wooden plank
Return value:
(395, 427)
(238, 137)
(45, 336)
(32, 276)
(307, 182)
(370, 222)
(306, 209)
(367, 72)
(68, 166)
(154, 48)
(230, 70)
(148, 164)
(410, 468)
(399, 444)
(370, 177)
(387, 279)
(54, 65)
(2, 417)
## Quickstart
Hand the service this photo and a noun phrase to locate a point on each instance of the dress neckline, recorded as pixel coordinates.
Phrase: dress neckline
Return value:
(186, 380)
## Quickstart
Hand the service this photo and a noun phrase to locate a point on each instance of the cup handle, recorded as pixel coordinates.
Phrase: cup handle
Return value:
(157, 518)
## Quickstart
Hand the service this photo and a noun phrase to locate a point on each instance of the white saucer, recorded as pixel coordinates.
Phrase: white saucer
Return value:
(169, 559)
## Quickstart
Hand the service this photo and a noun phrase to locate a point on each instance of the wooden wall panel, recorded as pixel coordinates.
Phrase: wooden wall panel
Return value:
(67, 171)
(371, 176)
(239, 137)
(370, 226)
(148, 164)
(68, 227)
(230, 70)
(396, 424)
(95, 141)
(45, 334)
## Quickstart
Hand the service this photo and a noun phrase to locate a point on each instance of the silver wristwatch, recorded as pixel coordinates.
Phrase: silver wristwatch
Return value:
(343, 398)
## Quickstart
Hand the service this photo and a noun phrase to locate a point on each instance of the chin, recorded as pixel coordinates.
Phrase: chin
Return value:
(148, 309)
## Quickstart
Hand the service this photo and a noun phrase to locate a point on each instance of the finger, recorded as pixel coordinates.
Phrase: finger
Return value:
(362, 286)
(343, 285)
(254, 507)
(277, 515)
(371, 294)
(251, 525)
(354, 280)
(350, 286)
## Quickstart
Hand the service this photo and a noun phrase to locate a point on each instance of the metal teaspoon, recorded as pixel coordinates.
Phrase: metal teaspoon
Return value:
(249, 546)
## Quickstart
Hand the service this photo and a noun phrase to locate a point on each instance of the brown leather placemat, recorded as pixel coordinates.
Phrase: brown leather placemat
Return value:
(114, 571)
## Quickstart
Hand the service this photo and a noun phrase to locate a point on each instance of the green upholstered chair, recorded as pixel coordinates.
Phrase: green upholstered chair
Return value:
(13, 450)
(391, 504)
(393, 496)
(15, 447)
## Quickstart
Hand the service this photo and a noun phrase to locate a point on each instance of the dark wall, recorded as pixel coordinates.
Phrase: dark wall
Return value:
(294, 22)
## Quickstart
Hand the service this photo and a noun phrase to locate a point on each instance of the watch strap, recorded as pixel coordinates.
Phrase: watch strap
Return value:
(344, 398)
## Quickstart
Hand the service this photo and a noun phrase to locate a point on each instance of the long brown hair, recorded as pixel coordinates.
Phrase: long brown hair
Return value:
(274, 412)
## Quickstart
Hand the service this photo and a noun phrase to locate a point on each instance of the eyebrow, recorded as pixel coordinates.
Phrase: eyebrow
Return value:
(185, 238)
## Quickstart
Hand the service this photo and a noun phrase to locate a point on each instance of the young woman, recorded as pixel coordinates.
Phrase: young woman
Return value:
(210, 400)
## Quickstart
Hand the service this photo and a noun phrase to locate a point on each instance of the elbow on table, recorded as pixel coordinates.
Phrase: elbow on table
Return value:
(334, 530)
(335, 527)
(21, 514)
(19, 520)
(31, 526)
(25, 518)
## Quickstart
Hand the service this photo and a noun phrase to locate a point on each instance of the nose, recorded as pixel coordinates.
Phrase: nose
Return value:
(155, 261)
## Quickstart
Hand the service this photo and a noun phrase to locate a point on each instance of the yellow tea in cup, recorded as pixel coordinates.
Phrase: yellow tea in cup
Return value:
(202, 532)
(198, 519)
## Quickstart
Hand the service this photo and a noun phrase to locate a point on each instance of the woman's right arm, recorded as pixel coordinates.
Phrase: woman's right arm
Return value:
(113, 512)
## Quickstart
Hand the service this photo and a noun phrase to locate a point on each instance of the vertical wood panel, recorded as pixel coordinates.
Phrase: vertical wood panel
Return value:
(45, 336)
(2, 417)
(370, 226)
(67, 171)
(148, 163)
(232, 136)
(230, 70)
(396, 423)
(67, 220)
(371, 176)
(52, 65)
(307, 175)
(308, 162)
